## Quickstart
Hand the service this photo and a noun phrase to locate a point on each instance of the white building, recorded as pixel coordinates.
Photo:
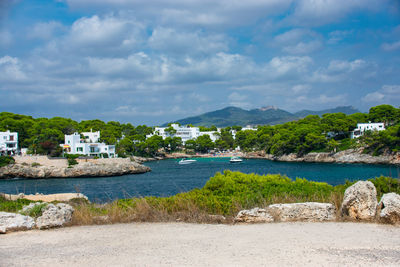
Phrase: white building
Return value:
(184, 132)
(75, 145)
(8, 143)
(363, 127)
(91, 137)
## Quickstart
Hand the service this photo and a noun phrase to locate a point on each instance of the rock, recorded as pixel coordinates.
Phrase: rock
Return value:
(308, 211)
(255, 215)
(389, 207)
(13, 222)
(27, 209)
(92, 168)
(359, 202)
(55, 216)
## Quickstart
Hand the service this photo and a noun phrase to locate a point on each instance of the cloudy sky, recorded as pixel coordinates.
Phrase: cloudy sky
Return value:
(160, 60)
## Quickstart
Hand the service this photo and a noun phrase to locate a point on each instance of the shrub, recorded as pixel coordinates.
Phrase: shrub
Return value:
(6, 160)
(36, 211)
(13, 206)
(35, 164)
(71, 159)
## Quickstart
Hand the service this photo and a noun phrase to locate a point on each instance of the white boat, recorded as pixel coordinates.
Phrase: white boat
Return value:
(235, 160)
(186, 161)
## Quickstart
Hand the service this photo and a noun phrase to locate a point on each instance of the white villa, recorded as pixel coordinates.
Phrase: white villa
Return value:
(89, 145)
(363, 127)
(184, 132)
(8, 143)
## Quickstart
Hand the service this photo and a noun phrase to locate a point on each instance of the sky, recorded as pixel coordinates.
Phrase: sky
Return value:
(155, 61)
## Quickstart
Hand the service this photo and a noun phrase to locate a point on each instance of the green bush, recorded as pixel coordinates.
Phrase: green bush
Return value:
(13, 206)
(228, 192)
(386, 185)
(72, 159)
(35, 164)
(36, 211)
(6, 160)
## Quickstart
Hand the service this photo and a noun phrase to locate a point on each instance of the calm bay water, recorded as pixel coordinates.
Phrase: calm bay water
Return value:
(168, 177)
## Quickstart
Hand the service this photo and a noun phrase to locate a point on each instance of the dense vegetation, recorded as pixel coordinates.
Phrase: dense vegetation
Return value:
(5, 160)
(331, 132)
(224, 194)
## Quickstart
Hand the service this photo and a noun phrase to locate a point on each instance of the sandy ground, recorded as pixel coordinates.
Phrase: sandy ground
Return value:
(179, 244)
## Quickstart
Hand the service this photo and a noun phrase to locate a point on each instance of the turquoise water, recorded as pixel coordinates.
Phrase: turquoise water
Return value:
(168, 177)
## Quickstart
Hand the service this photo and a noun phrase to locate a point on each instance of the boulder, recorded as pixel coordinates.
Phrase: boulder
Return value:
(359, 201)
(255, 215)
(13, 222)
(27, 209)
(55, 216)
(308, 211)
(389, 207)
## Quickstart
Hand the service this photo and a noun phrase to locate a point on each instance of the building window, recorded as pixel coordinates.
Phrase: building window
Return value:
(11, 137)
(79, 149)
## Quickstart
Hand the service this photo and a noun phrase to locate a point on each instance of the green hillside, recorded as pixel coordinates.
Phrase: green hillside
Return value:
(264, 116)
(348, 110)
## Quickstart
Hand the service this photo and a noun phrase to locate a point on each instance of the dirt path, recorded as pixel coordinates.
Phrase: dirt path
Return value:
(177, 244)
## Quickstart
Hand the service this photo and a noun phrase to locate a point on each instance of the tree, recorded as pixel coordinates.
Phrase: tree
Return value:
(204, 143)
(384, 113)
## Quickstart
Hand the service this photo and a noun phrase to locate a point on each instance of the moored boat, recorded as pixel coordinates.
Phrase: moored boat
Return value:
(235, 160)
(186, 161)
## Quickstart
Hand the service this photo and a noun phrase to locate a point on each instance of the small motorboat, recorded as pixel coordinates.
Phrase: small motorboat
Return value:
(186, 161)
(235, 160)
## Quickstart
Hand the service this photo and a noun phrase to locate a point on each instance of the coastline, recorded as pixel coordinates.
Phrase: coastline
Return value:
(43, 167)
(346, 156)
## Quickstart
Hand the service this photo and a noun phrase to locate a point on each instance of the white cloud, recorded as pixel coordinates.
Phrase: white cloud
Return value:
(11, 69)
(346, 66)
(170, 40)
(337, 36)
(320, 12)
(391, 46)
(44, 30)
(284, 65)
(387, 94)
(303, 48)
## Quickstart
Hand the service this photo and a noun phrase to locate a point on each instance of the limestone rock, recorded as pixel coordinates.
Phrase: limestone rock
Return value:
(55, 216)
(13, 222)
(359, 202)
(27, 209)
(255, 215)
(308, 211)
(390, 208)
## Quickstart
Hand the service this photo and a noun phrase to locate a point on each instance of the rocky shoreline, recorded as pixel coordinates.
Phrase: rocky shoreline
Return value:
(346, 156)
(88, 168)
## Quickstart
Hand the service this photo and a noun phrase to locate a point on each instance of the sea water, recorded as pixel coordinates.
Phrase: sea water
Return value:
(168, 177)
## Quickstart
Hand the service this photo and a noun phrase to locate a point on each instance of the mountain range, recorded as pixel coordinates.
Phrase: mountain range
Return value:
(269, 115)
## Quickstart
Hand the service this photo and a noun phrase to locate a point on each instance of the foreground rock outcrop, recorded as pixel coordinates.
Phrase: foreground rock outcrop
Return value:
(255, 215)
(91, 168)
(308, 211)
(14, 222)
(389, 207)
(55, 216)
(51, 216)
(359, 201)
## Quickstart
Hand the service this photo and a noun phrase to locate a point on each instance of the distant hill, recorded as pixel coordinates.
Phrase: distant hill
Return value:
(269, 115)
(344, 109)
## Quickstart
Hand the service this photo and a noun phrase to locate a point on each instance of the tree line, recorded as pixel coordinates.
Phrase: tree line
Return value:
(328, 133)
